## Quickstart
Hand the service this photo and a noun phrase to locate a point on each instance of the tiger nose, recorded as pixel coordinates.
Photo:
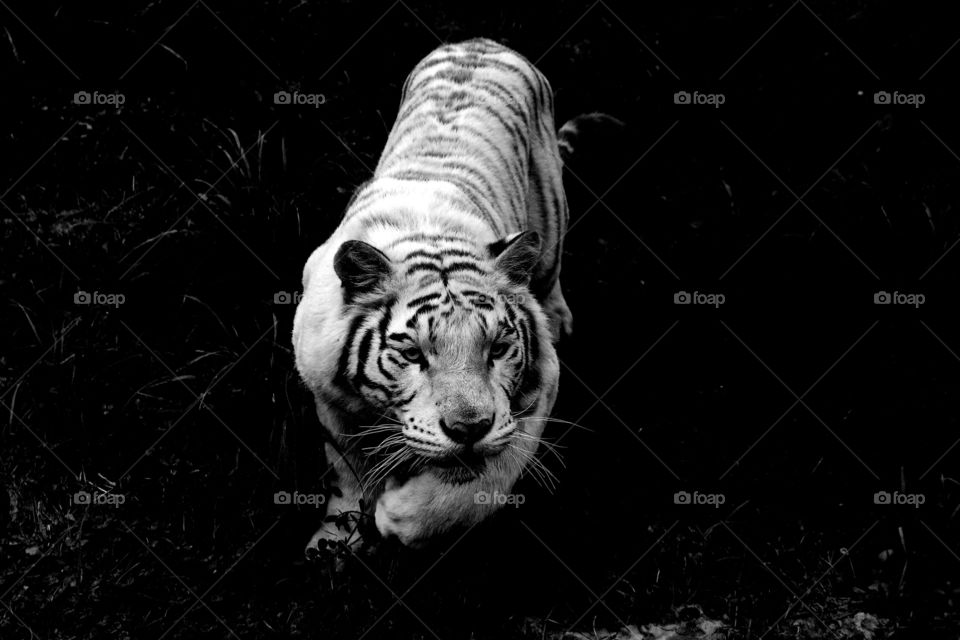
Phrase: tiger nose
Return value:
(467, 432)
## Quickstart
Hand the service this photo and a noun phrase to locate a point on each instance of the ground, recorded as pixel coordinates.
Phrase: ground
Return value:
(788, 412)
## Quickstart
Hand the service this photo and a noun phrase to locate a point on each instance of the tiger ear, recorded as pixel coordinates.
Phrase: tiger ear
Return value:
(361, 267)
(517, 256)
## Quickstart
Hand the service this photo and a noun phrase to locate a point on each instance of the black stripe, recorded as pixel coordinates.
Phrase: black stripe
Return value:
(511, 165)
(416, 302)
(420, 253)
(425, 309)
(361, 379)
(479, 176)
(363, 350)
(386, 374)
(342, 377)
(507, 97)
(394, 361)
(384, 325)
(402, 402)
(514, 132)
(463, 266)
(517, 326)
(531, 371)
(459, 253)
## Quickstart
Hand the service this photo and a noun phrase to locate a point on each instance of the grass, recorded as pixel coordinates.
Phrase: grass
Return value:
(199, 201)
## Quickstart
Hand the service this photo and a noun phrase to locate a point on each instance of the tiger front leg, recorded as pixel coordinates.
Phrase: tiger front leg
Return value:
(425, 506)
(344, 511)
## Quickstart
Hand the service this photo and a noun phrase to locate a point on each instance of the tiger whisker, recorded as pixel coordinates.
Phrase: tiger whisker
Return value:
(535, 467)
(533, 438)
(550, 447)
(368, 431)
(550, 478)
(370, 478)
(403, 456)
(558, 421)
(391, 430)
(518, 414)
(541, 439)
(533, 458)
(387, 442)
(378, 473)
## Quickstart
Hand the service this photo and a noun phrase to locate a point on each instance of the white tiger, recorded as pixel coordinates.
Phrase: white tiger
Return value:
(428, 319)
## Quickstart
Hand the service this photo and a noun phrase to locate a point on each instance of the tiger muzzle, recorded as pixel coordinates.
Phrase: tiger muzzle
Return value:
(467, 432)
(466, 406)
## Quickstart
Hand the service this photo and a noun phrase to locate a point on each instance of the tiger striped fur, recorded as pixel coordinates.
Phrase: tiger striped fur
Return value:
(427, 325)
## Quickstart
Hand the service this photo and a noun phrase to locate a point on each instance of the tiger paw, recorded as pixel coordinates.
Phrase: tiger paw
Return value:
(337, 532)
(328, 536)
(403, 510)
(333, 548)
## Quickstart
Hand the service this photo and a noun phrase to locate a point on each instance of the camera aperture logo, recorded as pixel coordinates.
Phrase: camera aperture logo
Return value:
(98, 499)
(97, 298)
(897, 98)
(899, 298)
(297, 99)
(287, 297)
(699, 298)
(97, 99)
(699, 499)
(499, 499)
(696, 97)
(297, 499)
(897, 498)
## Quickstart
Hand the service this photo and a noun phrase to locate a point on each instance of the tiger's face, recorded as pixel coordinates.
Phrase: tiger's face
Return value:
(445, 344)
(457, 360)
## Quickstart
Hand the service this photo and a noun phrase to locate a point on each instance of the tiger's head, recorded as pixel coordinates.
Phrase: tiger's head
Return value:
(445, 341)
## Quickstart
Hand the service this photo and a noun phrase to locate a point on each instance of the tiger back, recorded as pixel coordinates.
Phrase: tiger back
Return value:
(476, 121)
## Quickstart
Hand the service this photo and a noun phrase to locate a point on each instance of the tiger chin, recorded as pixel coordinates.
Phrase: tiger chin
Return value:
(427, 324)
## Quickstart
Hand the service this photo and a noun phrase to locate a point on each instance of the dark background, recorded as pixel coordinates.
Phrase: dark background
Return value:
(199, 199)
